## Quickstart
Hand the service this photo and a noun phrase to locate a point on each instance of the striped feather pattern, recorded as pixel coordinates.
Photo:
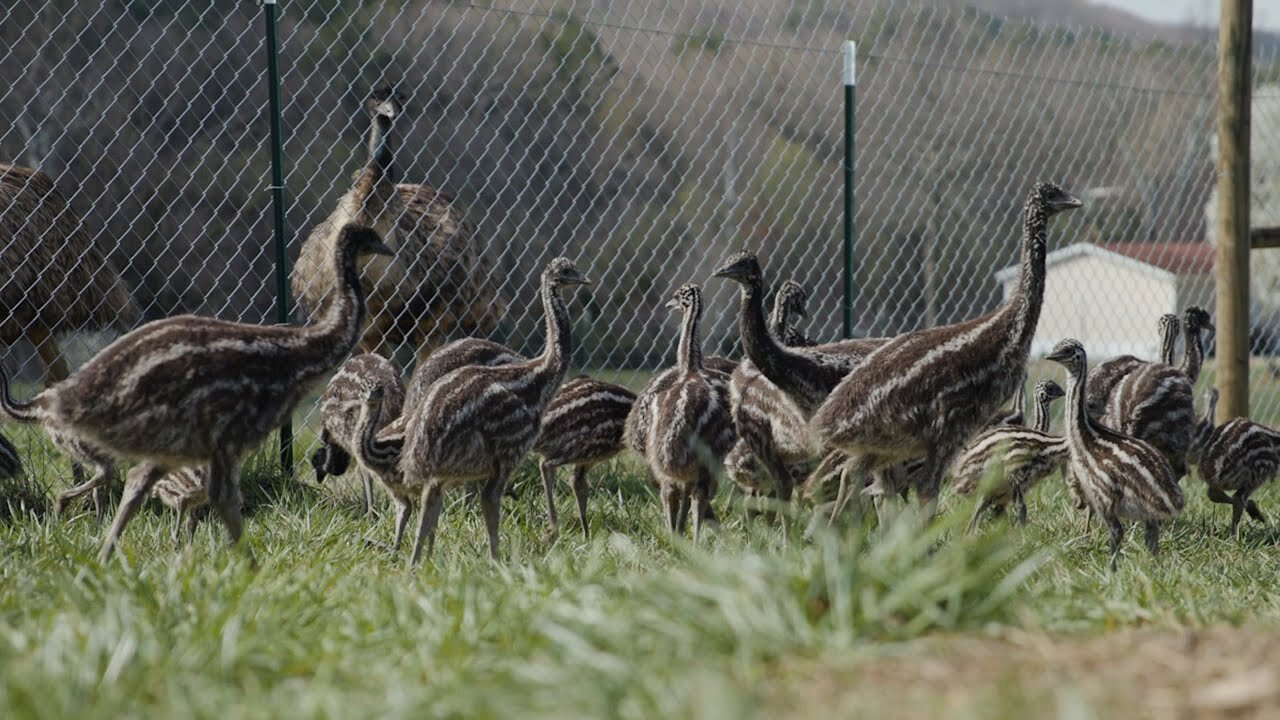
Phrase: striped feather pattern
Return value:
(923, 394)
(584, 422)
(1155, 403)
(1118, 477)
(343, 417)
(1195, 321)
(1240, 457)
(1017, 457)
(477, 423)
(183, 489)
(1104, 379)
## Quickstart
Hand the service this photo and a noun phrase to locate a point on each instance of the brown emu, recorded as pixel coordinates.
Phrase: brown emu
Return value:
(1240, 456)
(340, 408)
(1104, 379)
(1118, 477)
(581, 427)
(191, 390)
(1020, 457)
(691, 428)
(477, 423)
(438, 282)
(925, 393)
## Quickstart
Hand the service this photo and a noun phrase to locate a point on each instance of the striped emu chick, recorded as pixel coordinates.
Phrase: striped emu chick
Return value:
(806, 375)
(1204, 427)
(692, 428)
(477, 423)
(790, 304)
(340, 407)
(773, 436)
(925, 393)
(1195, 321)
(581, 427)
(190, 390)
(1119, 477)
(1017, 457)
(186, 492)
(1240, 456)
(1156, 403)
(10, 462)
(1105, 378)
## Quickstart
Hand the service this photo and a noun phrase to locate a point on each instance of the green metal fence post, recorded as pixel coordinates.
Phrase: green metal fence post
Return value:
(277, 201)
(850, 71)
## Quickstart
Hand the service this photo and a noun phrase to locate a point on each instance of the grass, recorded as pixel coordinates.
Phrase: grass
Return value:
(898, 621)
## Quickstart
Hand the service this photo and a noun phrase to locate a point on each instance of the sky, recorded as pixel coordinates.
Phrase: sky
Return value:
(1266, 13)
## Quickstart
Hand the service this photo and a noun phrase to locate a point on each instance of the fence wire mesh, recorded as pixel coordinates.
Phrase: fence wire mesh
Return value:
(647, 140)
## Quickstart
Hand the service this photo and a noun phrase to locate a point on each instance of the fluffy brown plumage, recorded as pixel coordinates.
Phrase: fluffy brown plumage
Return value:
(1104, 379)
(56, 278)
(773, 436)
(790, 305)
(581, 427)
(476, 423)
(1118, 477)
(925, 393)
(1155, 403)
(191, 390)
(1240, 457)
(691, 429)
(340, 407)
(1014, 457)
(438, 282)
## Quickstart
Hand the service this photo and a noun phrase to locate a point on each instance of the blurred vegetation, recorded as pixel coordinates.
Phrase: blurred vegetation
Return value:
(645, 142)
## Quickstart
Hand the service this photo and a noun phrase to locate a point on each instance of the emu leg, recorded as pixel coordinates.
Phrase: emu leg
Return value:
(682, 517)
(137, 488)
(549, 484)
(579, 484)
(1152, 533)
(224, 493)
(671, 506)
(1117, 537)
(193, 521)
(366, 479)
(1020, 500)
(701, 496)
(101, 476)
(491, 508)
(403, 508)
(177, 527)
(432, 500)
(982, 506)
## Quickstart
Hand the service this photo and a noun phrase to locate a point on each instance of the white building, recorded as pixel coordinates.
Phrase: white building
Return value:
(1109, 297)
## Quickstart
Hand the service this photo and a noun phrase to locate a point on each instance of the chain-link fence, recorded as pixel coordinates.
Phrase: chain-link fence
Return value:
(648, 140)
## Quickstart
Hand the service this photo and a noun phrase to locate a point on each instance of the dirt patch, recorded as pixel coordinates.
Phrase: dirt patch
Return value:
(1219, 672)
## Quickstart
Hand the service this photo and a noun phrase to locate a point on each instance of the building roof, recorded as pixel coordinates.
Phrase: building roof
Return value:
(1162, 260)
(1186, 258)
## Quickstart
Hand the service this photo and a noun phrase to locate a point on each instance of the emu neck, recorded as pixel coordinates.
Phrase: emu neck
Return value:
(380, 147)
(1030, 295)
(331, 339)
(761, 347)
(1078, 424)
(553, 363)
(378, 455)
(779, 319)
(1040, 420)
(1168, 341)
(1193, 360)
(689, 353)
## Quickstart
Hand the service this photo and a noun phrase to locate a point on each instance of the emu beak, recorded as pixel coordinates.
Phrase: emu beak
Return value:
(1058, 357)
(1066, 202)
(386, 109)
(802, 312)
(380, 248)
(574, 278)
(733, 271)
(672, 304)
(376, 393)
